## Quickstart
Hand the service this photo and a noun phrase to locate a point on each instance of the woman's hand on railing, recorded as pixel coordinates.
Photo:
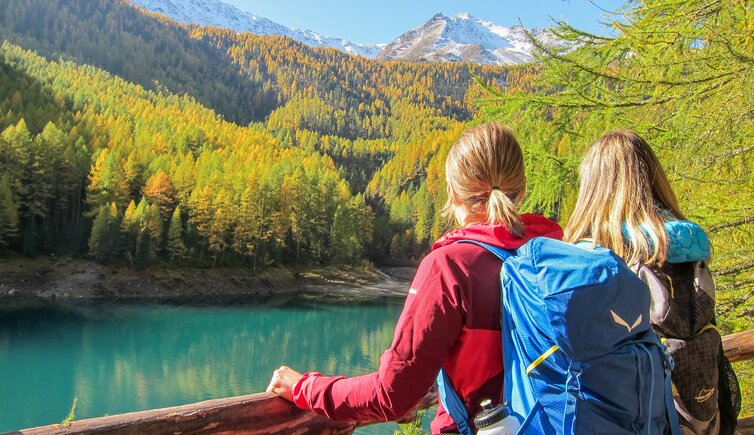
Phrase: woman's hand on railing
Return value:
(283, 380)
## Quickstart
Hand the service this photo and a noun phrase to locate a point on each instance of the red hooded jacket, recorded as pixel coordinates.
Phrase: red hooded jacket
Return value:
(451, 319)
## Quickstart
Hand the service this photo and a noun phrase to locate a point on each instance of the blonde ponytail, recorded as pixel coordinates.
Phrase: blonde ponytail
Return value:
(485, 175)
(500, 209)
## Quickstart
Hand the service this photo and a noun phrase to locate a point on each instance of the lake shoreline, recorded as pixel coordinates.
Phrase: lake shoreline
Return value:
(71, 279)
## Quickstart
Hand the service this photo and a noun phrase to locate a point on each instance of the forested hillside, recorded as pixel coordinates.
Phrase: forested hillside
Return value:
(159, 175)
(359, 113)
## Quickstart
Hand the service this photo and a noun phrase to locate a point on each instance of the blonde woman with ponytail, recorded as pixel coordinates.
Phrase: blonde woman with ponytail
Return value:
(453, 305)
(625, 203)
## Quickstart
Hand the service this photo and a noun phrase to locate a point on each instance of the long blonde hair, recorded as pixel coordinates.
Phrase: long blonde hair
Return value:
(624, 199)
(485, 175)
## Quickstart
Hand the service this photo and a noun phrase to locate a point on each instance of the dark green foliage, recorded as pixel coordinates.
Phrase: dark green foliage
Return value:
(137, 47)
(175, 246)
(8, 213)
(103, 242)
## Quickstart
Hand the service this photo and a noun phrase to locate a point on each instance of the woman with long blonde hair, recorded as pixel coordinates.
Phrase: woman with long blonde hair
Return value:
(453, 305)
(626, 203)
(624, 200)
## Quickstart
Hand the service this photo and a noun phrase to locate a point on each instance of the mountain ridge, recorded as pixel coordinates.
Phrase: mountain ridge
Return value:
(465, 38)
(220, 14)
(458, 38)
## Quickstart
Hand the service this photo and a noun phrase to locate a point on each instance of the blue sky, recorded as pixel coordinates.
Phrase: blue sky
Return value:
(384, 20)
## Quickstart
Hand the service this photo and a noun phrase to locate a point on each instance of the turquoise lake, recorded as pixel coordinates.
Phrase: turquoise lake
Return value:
(116, 358)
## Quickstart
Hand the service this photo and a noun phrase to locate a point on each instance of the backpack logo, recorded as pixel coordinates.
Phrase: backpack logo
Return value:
(622, 322)
(704, 394)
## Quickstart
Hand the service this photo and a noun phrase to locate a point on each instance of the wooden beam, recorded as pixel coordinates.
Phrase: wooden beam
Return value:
(740, 346)
(263, 413)
(745, 426)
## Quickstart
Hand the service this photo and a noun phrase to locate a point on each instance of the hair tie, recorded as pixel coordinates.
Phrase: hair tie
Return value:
(494, 188)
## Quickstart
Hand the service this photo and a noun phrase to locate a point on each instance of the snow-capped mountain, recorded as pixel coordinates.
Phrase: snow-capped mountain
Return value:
(460, 38)
(463, 38)
(219, 14)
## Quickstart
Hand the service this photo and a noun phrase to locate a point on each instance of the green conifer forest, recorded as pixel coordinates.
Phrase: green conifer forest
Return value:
(266, 147)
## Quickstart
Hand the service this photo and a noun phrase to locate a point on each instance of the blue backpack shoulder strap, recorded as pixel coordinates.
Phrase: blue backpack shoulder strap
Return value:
(453, 404)
(450, 400)
(498, 252)
(673, 420)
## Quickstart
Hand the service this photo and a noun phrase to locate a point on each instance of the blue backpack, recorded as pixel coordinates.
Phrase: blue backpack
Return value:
(578, 351)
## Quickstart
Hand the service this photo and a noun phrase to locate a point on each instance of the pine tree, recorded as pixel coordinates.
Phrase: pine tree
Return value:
(8, 213)
(220, 227)
(176, 247)
(130, 229)
(246, 231)
(183, 178)
(98, 233)
(103, 241)
(155, 224)
(106, 181)
(351, 230)
(423, 206)
(159, 191)
(143, 237)
(47, 149)
(15, 149)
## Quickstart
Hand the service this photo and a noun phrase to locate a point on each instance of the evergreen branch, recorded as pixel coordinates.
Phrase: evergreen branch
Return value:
(735, 285)
(734, 303)
(562, 25)
(599, 104)
(744, 267)
(552, 54)
(737, 54)
(656, 125)
(602, 9)
(744, 221)
(738, 152)
(715, 181)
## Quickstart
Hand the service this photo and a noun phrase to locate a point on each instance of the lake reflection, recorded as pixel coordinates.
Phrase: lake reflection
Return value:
(122, 358)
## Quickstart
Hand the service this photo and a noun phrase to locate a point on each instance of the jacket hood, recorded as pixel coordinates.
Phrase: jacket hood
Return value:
(687, 241)
(498, 235)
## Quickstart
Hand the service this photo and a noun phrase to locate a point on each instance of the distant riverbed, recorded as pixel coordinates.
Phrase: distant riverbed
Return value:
(120, 357)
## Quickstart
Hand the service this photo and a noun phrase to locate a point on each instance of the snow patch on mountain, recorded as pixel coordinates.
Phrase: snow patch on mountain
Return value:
(219, 14)
(464, 38)
(460, 38)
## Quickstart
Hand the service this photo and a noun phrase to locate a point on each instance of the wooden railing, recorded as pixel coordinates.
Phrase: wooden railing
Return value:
(263, 413)
(739, 346)
(266, 413)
